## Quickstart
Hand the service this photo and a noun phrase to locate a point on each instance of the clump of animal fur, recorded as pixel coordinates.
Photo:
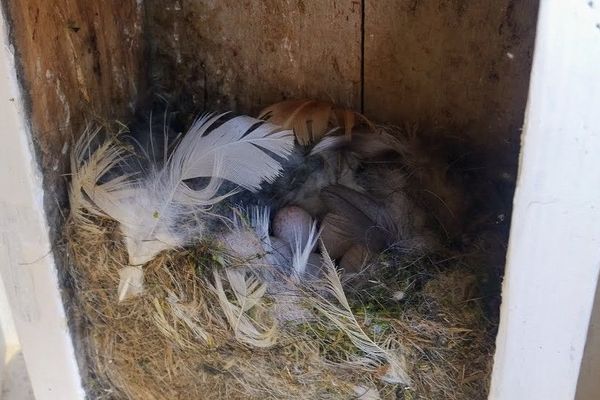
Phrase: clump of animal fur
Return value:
(219, 300)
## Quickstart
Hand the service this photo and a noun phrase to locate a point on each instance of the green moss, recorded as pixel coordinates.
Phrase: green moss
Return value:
(333, 344)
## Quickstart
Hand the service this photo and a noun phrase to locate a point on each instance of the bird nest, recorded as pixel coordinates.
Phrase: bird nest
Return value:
(223, 301)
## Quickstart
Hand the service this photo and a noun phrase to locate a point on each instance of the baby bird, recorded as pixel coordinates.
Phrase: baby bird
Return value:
(363, 183)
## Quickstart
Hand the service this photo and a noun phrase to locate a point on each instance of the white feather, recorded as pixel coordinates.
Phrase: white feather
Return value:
(159, 211)
(243, 150)
(260, 218)
(301, 249)
(87, 196)
(329, 143)
(249, 293)
(188, 313)
(366, 393)
(260, 221)
(131, 282)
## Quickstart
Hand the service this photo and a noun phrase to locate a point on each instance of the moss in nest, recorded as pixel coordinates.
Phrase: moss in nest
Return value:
(332, 344)
(438, 319)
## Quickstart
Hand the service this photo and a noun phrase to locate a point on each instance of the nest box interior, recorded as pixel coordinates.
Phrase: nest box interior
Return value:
(451, 68)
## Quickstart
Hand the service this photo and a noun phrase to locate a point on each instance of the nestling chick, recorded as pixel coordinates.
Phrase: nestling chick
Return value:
(369, 189)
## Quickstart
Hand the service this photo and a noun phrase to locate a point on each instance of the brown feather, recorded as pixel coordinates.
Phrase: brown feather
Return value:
(430, 182)
(335, 237)
(363, 218)
(311, 119)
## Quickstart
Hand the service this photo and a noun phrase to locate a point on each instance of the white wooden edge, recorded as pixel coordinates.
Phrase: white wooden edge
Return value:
(554, 249)
(9, 340)
(27, 265)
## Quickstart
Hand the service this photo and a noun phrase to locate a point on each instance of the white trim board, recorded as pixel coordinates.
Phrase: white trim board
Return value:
(554, 251)
(26, 260)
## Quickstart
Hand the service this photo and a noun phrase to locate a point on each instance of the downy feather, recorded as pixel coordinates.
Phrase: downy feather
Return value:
(329, 143)
(363, 218)
(343, 318)
(87, 194)
(377, 144)
(248, 292)
(302, 248)
(160, 211)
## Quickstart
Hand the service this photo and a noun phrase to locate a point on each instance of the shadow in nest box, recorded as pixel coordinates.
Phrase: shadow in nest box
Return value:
(231, 235)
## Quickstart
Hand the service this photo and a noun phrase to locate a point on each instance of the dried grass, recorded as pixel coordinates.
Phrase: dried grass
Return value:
(174, 341)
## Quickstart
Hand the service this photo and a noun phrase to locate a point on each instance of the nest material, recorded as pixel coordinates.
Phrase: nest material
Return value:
(408, 326)
(174, 341)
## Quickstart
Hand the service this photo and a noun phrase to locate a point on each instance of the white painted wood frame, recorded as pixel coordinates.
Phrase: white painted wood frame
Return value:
(554, 249)
(27, 264)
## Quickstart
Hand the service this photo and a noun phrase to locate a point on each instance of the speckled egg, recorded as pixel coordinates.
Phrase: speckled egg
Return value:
(290, 219)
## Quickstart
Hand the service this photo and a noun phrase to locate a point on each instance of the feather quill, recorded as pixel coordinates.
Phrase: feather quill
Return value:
(362, 218)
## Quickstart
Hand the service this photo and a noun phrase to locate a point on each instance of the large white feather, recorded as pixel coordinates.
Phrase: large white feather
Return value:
(243, 148)
(159, 211)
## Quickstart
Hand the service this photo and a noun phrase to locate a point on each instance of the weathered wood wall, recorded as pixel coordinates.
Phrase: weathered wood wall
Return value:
(452, 66)
(78, 60)
(243, 55)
